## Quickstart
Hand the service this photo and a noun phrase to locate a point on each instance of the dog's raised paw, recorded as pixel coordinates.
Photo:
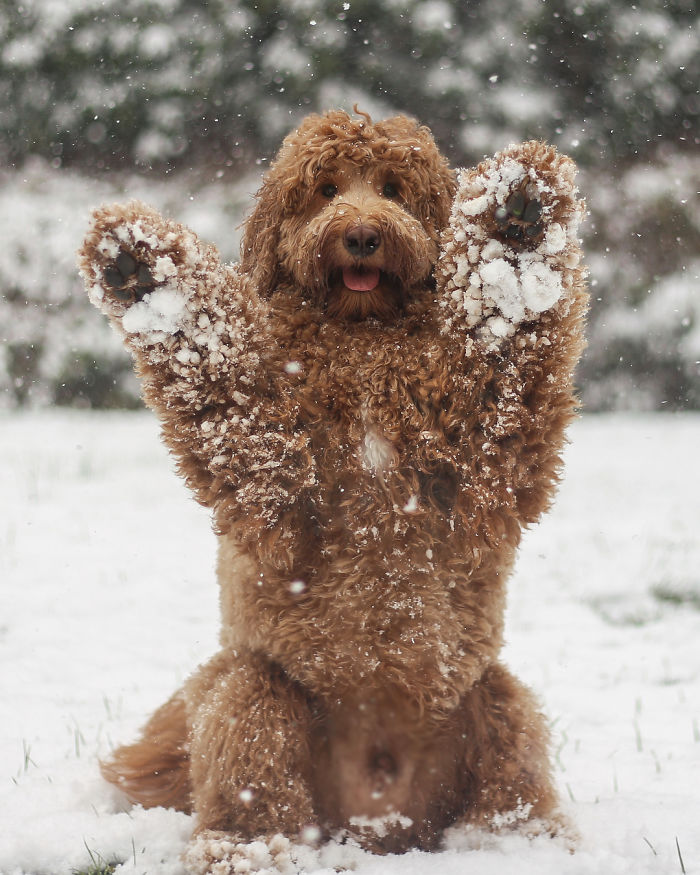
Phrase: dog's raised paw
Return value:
(518, 220)
(128, 279)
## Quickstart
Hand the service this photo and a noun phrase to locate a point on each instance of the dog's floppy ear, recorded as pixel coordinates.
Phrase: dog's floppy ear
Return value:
(261, 237)
(278, 195)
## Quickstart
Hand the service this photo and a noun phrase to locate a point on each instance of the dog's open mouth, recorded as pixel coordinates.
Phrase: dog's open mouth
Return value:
(359, 292)
(361, 279)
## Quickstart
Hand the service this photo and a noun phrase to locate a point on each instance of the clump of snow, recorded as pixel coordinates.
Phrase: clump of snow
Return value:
(275, 855)
(163, 268)
(161, 311)
(541, 284)
(380, 826)
(510, 818)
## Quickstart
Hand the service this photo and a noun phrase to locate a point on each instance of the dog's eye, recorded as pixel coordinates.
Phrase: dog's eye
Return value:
(390, 190)
(329, 190)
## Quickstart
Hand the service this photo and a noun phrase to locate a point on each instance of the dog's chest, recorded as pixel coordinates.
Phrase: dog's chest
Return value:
(363, 403)
(367, 428)
(376, 452)
(369, 406)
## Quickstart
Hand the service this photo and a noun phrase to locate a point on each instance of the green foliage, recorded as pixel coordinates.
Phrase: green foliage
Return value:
(99, 868)
(98, 865)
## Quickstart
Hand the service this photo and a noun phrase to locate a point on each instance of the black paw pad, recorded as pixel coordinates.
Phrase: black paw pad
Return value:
(127, 278)
(518, 220)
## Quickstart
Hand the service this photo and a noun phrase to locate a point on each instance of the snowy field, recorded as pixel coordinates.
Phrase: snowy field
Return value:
(108, 600)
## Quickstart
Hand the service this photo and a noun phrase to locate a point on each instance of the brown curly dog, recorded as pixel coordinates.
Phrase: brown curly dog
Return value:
(373, 403)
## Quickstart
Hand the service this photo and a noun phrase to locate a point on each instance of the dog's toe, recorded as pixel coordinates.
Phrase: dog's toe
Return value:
(128, 279)
(518, 220)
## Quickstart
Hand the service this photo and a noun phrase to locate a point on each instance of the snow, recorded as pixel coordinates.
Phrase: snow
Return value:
(380, 826)
(109, 600)
(160, 311)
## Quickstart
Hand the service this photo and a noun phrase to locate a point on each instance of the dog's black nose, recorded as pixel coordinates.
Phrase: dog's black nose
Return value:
(362, 240)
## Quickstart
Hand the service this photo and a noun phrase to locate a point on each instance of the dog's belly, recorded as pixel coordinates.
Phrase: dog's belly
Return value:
(394, 637)
(383, 775)
(366, 621)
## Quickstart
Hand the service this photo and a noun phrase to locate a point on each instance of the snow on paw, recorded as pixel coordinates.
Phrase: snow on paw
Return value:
(152, 305)
(534, 203)
(212, 852)
(136, 267)
(129, 249)
(511, 250)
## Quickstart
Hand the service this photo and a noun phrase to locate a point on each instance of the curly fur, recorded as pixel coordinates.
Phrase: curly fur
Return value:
(371, 458)
(276, 245)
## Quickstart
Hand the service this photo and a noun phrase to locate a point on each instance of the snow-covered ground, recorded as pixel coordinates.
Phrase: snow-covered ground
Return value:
(108, 600)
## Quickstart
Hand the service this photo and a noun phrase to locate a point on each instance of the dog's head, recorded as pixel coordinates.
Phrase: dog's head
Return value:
(350, 213)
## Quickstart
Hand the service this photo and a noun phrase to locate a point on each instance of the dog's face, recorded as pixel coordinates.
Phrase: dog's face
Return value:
(355, 210)
(356, 243)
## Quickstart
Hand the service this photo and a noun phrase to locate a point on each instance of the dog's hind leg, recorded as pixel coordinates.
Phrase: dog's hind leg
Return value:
(154, 771)
(250, 762)
(504, 774)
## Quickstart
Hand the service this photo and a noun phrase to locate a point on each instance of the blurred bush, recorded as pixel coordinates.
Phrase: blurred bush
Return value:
(56, 347)
(643, 242)
(193, 94)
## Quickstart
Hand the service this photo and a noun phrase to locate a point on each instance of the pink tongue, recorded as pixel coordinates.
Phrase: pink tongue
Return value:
(361, 280)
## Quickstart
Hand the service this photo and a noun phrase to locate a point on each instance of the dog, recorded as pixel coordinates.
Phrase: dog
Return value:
(373, 404)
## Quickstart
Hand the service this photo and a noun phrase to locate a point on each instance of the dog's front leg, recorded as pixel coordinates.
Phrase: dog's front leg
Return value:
(511, 292)
(193, 327)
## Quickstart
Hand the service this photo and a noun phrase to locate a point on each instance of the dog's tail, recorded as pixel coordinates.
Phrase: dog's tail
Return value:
(155, 770)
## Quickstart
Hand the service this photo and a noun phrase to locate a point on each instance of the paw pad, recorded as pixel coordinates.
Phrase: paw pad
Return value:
(519, 219)
(128, 279)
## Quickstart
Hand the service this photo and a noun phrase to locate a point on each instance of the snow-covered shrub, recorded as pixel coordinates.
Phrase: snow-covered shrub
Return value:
(56, 349)
(107, 82)
(643, 245)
